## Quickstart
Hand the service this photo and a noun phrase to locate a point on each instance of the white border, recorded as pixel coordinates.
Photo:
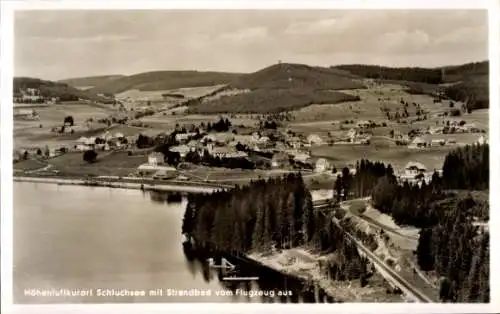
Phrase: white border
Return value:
(6, 70)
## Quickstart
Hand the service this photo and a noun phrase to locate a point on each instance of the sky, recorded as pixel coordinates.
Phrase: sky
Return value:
(65, 44)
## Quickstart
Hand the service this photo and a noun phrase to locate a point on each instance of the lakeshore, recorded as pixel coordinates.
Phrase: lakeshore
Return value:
(300, 263)
(124, 183)
(296, 263)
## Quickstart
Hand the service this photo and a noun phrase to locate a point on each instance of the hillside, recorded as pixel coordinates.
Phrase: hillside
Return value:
(90, 81)
(164, 80)
(269, 101)
(292, 76)
(475, 89)
(469, 81)
(51, 89)
(282, 87)
(417, 74)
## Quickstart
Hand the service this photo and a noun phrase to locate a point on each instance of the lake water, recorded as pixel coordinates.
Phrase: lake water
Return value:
(83, 239)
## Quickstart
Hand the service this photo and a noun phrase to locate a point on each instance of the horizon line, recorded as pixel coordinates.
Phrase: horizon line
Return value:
(230, 72)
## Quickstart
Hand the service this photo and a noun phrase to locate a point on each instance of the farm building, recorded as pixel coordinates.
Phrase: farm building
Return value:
(414, 168)
(418, 142)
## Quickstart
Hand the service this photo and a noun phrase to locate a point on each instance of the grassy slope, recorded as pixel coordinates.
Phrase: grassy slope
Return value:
(472, 79)
(165, 80)
(54, 89)
(283, 87)
(90, 80)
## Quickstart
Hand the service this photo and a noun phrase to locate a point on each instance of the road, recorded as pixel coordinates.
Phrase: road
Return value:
(390, 274)
(376, 224)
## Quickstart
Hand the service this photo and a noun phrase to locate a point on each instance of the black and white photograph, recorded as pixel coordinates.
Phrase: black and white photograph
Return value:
(250, 156)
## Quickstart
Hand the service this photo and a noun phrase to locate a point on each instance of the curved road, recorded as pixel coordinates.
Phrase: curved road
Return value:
(383, 268)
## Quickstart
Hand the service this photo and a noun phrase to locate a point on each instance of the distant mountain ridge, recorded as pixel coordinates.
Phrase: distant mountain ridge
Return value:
(164, 80)
(438, 75)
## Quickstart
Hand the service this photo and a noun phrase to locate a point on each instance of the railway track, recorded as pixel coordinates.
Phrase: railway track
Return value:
(386, 271)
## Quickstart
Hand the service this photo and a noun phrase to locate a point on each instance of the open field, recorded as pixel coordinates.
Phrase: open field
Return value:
(29, 132)
(368, 107)
(107, 164)
(29, 164)
(398, 157)
(54, 115)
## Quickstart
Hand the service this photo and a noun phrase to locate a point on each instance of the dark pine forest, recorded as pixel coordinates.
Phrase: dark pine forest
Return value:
(278, 214)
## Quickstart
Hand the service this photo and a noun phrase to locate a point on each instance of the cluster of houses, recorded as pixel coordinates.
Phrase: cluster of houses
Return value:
(31, 95)
(106, 141)
(421, 142)
(281, 154)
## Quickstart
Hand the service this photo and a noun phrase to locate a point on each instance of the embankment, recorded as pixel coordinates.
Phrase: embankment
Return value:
(120, 184)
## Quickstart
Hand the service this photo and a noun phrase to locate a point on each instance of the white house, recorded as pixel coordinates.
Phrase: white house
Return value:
(263, 139)
(321, 165)
(156, 158)
(352, 134)
(82, 147)
(314, 139)
(482, 140)
(183, 137)
(82, 140)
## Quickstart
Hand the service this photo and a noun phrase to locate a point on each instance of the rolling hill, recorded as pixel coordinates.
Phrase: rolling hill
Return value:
(90, 81)
(164, 80)
(292, 76)
(54, 89)
(282, 87)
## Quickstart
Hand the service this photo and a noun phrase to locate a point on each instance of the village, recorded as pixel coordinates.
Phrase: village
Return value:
(268, 146)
